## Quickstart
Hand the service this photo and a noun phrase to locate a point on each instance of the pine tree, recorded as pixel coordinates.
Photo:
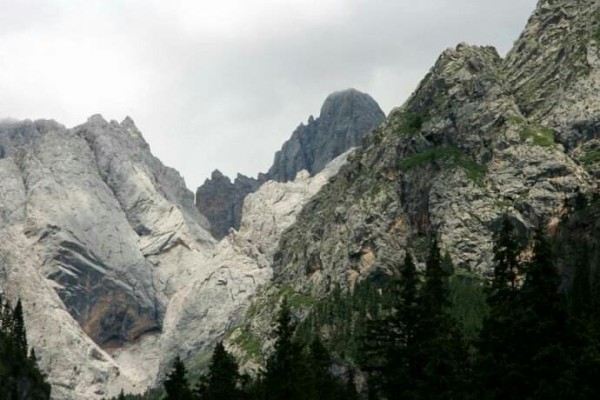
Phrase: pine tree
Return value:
(19, 333)
(501, 333)
(401, 329)
(286, 374)
(176, 385)
(325, 385)
(544, 340)
(222, 380)
(507, 250)
(438, 356)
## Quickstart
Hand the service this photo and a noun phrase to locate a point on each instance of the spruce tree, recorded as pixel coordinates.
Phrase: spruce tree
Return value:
(399, 337)
(222, 380)
(438, 355)
(544, 353)
(507, 268)
(497, 370)
(19, 333)
(176, 385)
(286, 374)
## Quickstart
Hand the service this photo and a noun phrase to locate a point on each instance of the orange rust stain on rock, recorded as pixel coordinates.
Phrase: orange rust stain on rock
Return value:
(398, 224)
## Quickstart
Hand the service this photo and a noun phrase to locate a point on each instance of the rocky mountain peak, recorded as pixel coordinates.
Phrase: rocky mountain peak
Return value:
(346, 118)
(217, 175)
(345, 102)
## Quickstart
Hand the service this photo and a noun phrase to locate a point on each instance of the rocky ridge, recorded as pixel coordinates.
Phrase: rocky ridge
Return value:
(480, 137)
(97, 235)
(112, 261)
(346, 117)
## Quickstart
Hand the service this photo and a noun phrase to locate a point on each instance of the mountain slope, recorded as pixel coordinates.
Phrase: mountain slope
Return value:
(480, 137)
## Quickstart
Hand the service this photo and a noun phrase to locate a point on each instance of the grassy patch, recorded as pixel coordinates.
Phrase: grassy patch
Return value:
(411, 123)
(199, 364)
(452, 155)
(246, 341)
(596, 34)
(295, 299)
(591, 157)
(538, 136)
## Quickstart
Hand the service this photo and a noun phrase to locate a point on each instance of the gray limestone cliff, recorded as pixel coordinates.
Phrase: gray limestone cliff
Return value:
(346, 117)
(96, 235)
(115, 267)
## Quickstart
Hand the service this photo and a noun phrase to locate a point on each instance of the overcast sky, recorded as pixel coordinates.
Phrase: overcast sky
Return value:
(221, 84)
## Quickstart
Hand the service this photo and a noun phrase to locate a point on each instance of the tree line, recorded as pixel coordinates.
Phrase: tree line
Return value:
(538, 339)
(20, 376)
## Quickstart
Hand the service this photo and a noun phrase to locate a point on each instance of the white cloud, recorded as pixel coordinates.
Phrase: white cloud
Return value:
(223, 84)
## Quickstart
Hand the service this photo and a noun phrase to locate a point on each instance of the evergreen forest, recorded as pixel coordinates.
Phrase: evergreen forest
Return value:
(530, 331)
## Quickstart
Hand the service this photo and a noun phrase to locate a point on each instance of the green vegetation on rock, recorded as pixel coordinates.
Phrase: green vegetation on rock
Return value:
(247, 342)
(538, 136)
(596, 35)
(591, 157)
(411, 122)
(468, 300)
(450, 155)
(295, 299)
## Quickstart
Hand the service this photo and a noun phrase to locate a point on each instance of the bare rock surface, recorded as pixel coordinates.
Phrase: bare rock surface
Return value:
(106, 232)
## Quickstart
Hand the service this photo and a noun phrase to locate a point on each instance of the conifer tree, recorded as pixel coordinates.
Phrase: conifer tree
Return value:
(507, 250)
(19, 333)
(286, 372)
(400, 330)
(544, 340)
(501, 333)
(438, 356)
(222, 380)
(176, 385)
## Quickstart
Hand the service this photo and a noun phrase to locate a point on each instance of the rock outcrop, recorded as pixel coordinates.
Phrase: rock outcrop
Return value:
(346, 118)
(221, 201)
(211, 304)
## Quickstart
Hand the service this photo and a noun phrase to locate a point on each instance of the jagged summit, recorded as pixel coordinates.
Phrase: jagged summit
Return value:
(346, 118)
(345, 100)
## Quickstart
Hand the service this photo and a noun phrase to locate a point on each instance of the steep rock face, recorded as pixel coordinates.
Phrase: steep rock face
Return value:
(213, 302)
(554, 70)
(104, 225)
(221, 201)
(112, 259)
(479, 138)
(455, 157)
(346, 118)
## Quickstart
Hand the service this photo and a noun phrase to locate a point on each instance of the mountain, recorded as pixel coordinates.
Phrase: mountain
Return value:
(117, 269)
(346, 117)
(480, 137)
(96, 236)
(114, 265)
